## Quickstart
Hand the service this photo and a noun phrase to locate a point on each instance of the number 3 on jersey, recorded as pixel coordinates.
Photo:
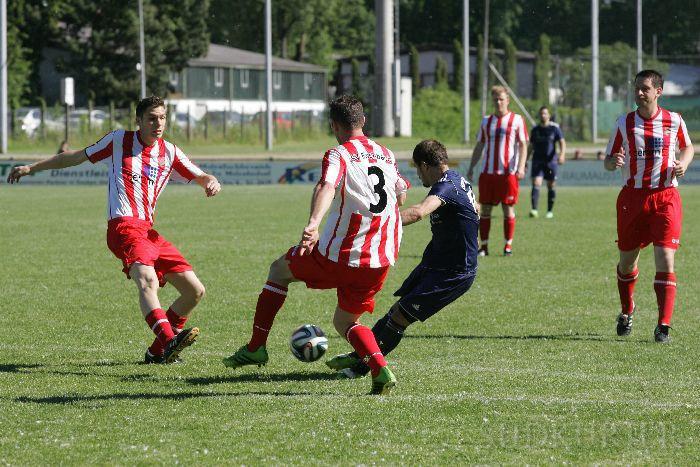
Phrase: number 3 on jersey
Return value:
(378, 189)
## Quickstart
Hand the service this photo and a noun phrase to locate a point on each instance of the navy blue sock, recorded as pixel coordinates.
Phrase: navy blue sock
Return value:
(535, 197)
(551, 194)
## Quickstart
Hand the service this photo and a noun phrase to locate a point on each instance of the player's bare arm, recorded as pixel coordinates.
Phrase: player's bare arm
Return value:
(562, 151)
(417, 212)
(684, 160)
(59, 161)
(614, 161)
(476, 156)
(210, 184)
(522, 148)
(321, 200)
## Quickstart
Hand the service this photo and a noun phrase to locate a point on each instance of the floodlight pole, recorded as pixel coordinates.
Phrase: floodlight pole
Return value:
(142, 48)
(639, 35)
(383, 115)
(268, 74)
(485, 60)
(594, 69)
(465, 69)
(3, 76)
(397, 72)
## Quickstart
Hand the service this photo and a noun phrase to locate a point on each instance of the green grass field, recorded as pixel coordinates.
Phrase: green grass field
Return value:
(525, 368)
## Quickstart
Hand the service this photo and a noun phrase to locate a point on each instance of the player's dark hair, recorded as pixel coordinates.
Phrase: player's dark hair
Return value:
(542, 108)
(347, 111)
(148, 102)
(430, 152)
(656, 79)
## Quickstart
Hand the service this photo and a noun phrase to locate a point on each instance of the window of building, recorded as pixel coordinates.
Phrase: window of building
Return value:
(219, 77)
(277, 80)
(245, 78)
(308, 80)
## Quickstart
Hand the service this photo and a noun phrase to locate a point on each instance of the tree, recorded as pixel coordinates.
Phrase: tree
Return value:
(543, 65)
(18, 62)
(415, 68)
(458, 69)
(103, 39)
(440, 72)
(511, 64)
(355, 86)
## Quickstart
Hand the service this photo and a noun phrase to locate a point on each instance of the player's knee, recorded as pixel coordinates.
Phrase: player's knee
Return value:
(148, 283)
(279, 271)
(198, 292)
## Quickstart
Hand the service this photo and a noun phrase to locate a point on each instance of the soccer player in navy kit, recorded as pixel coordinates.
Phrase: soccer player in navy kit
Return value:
(448, 267)
(545, 161)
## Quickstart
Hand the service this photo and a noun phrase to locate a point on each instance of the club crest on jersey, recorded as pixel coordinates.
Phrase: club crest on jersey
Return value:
(150, 172)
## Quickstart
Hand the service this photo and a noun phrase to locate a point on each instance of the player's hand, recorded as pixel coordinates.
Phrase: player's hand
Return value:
(561, 160)
(615, 161)
(212, 186)
(679, 169)
(18, 172)
(520, 174)
(309, 238)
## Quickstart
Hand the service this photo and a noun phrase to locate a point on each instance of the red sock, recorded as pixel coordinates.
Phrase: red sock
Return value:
(665, 288)
(508, 229)
(484, 228)
(625, 285)
(362, 340)
(270, 301)
(177, 323)
(160, 326)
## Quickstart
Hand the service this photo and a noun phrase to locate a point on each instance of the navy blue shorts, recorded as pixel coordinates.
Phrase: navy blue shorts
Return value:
(545, 169)
(427, 291)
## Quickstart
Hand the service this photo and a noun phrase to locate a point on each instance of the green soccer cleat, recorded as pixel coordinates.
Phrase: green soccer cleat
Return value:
(343, 361)
(383, 382)
(244, 357)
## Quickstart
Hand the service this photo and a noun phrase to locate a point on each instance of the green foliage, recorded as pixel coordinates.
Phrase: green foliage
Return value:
(543, 65)
(478, 82)
(415, 69)
(441, 77)
(104, 59)
(511, 61)
(437, 113)
(458, 68)
(616, 68)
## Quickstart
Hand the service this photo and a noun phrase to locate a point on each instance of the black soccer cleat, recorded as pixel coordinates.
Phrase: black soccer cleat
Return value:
(151, 359)
(178, 343)
(661, 334)
(483, 250)
(507, 250)
(624, 324)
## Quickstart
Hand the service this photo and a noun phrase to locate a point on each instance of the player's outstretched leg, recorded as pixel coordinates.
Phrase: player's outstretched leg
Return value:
(362, 340)
(269, 303)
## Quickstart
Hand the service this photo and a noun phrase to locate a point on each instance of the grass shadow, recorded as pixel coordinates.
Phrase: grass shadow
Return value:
(18, 367)
(77, 399)
(544, 337)
(267, 377)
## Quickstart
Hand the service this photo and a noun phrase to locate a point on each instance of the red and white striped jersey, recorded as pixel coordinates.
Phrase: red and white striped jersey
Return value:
(649, 146)
(500, 136)
(137, 173)
(363, 227)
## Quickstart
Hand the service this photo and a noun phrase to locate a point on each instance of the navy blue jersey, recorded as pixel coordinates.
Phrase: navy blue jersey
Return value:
(543, 139)
(455, 225)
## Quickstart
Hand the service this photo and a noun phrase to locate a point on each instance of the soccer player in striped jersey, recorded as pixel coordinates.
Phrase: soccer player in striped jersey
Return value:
(502, 140)
(649, 210)
(361, 189)
(140, 164)
(448, 267)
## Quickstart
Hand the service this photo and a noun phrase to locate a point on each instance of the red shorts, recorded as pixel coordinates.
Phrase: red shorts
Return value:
(647, 216)
(134, 241)
(495, 189)
(356, 287)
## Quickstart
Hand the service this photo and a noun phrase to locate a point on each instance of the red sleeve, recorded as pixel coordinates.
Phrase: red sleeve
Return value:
(100, 150)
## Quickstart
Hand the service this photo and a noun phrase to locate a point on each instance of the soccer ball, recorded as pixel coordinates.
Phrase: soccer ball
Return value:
(308, 343)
